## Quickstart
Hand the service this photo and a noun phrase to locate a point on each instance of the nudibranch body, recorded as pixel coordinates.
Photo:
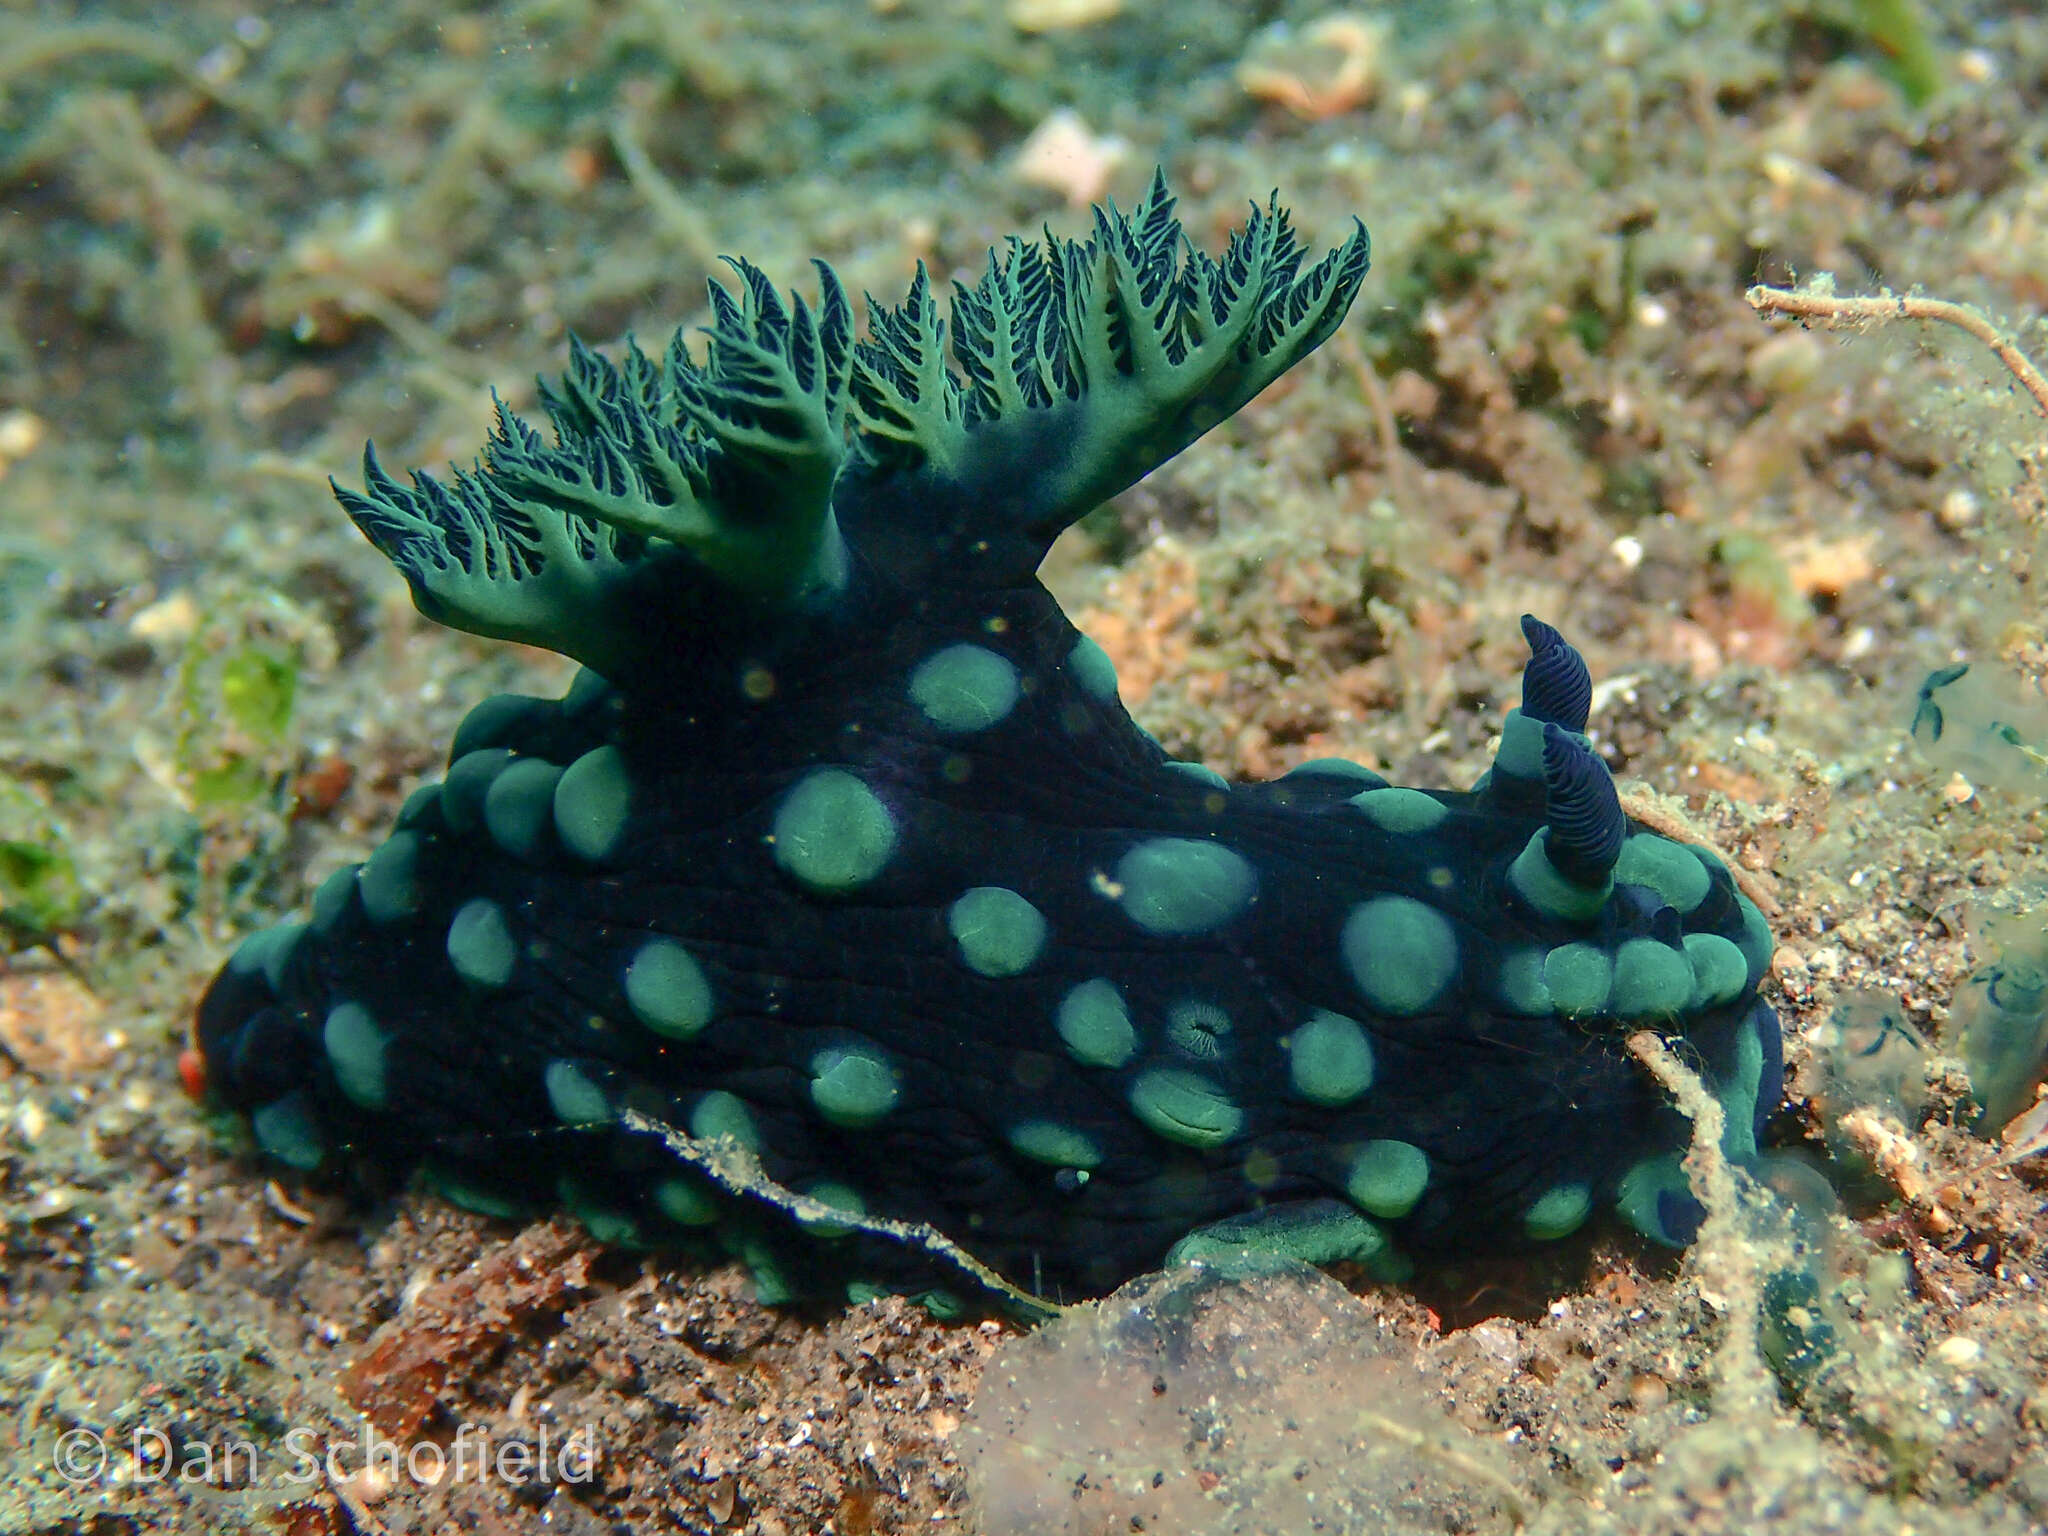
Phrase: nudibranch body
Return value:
(842, 856)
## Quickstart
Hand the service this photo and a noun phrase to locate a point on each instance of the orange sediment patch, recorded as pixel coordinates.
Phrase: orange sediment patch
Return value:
(52, 1025)
(1333, 66)
(418, 1361)
(1144, 618)
(1064, 155)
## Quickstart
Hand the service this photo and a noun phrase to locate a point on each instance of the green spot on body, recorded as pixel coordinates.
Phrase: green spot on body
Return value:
(1521, 747)
(1202, 773)
(940, 1305)
(1401, 810)
(852, 1088)
(1522, 987)
(841, 1197)
(286, 1130)
(1401, 952)
(423, 804)
(667, 990)
(1578, 978)
(389, 883)
(593, 800)
(1739, 1093)
(1639, 1198)
(605, 1223)
(720, 1114)
(1185, 1107)
(267, 952)
(607, 1227)
(772, 1286)
(1387, 1177)
(1043, 1141)
(1652, 980)
(1300, 1231)
(355, 1050)
(498, 721)
(1338, 768)
(1093, 670)
(1670, 869)
(1756, 943)
(1329, 1059)
(1537, 881)
(964, 688)
(1095, 1026)
(687, 1201)
(469, 780)
(458, 1188)
(1180, 885)
(480, 944)
(1558, 1213)
(585, 693)
(575, 1099)
(519, 807)
(998, 931)
(331, 901)
(1719, 970)
(832, 832)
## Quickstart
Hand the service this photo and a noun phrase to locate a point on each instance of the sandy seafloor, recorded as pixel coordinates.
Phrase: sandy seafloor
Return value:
(234, 243)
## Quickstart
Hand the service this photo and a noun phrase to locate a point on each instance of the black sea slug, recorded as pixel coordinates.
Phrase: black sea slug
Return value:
(841, 882)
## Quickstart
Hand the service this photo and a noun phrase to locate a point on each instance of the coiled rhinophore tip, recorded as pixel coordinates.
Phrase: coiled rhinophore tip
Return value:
(1556, 687)
(1580, 809)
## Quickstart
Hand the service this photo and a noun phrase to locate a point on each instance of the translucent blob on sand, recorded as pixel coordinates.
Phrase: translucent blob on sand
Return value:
(1869, 1056)
(1985, 723)
(1998, 1018)
(1203, 1404)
